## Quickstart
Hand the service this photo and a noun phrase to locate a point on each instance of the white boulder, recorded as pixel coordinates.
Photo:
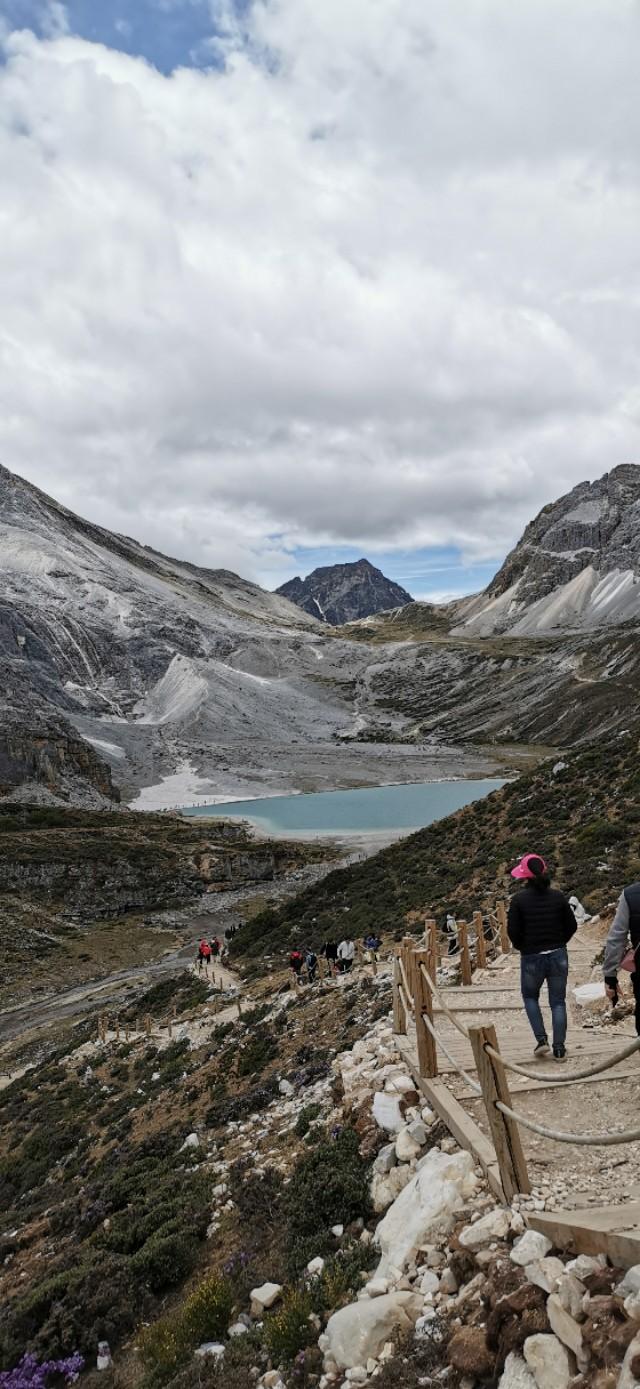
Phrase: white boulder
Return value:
(315, 1266)
(427, 1205)
(406, 1146)
(630, 1285)
(516, 1374)
(548, 1361)
(191, 1141)
(530, 1248)
(385, 1189)
(386, 1112)
(546, 1273)
(360, 1331)
(213, 1348)
(627, 1379)
(494, 1225)
(264, 1297)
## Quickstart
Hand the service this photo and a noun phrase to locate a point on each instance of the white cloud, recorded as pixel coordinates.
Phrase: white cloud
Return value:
(376, 283)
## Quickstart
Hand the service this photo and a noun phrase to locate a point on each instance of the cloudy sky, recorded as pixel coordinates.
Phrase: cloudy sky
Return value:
(289, 281)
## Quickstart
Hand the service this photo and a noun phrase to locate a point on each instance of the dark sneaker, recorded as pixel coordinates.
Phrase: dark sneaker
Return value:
(559, 1054)
(542, 1048)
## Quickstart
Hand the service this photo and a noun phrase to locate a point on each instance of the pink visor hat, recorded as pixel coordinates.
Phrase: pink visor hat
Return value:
(522, 869)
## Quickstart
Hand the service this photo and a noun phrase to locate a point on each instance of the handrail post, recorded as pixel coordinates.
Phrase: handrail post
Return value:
(504, 1131)
(481, 945)
(399, 1015)
(501, 913)
(432, 947)
(465, 957)
(427, 1051)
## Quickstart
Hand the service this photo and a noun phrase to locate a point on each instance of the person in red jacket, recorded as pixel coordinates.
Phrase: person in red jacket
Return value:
(296, 961)
(204, 954)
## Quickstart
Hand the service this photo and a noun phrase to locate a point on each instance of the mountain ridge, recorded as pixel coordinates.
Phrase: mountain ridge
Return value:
(341, 593)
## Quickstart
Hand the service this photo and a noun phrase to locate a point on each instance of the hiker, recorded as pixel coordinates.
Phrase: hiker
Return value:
(372, 943)
(204, 954)
(215, 948)
(346, 954)
(540, 925)
(311, 961)
(296, 961)
(451, 933)
(330, 952)
(621, 945)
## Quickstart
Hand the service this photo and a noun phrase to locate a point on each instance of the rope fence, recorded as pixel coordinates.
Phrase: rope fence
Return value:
(416, 990)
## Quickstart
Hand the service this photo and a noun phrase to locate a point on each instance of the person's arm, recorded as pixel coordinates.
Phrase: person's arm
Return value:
(568, 920)
(514, 923)
(615, 946)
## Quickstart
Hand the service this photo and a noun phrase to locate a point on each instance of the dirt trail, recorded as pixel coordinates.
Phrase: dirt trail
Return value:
(114, 990)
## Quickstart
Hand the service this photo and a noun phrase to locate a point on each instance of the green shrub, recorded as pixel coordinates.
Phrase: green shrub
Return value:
(165, 1260)
(306, 1118)
(329, 1186)
(204, 1316)
(289, 1330)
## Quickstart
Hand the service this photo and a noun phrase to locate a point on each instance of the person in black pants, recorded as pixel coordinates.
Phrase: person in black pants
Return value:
(540, 925)
(624, 929)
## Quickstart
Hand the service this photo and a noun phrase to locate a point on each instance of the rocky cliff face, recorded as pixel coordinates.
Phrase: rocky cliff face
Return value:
(576, 566)
(340, 593)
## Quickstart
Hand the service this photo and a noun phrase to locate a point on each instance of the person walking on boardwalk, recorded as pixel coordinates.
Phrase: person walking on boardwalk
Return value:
(540, 925)
(622, 946)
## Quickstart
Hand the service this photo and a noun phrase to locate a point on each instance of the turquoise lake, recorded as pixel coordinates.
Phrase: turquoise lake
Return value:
(365, 810)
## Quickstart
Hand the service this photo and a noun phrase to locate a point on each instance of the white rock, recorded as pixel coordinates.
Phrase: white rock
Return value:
(272, 1380)
(516, 1374)
(531, 1247)
(315, 1266)
(357, 1375)
(548, 1360)
(360, 1331)
(429, 1283)
(517, 1224)
(448, 1282)
(565, 1328)
(545, 1273)
(238, 1329)
(626, 1379)
(426, 1206)
(571, 1293)
(286, 1088)
(494, 1225)
(337, 1230)
(210, 1348)
(191, 1141)
(418, 1131)
(388, 1351)
(403, 1083)
(584, 1265)
(377, 1287)
(264, 1297)
(386, 1159)
(630, 1284)
(632, 1306)
(406, 1146)
(428, 1116)
(386, 1112)
(385, 1189)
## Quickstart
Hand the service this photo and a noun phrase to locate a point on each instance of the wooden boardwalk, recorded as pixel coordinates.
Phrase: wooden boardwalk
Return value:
(494, 997)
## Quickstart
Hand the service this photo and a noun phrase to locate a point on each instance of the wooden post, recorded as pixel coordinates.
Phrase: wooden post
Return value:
(374, 964)
(126, 1032)
(504, 1131)
(501, 913)
(427, 1054)
(137, 1025)
(147, 1025)
(399, 1015)
(481, 945)
(465, 957)
(434, 950)
(359, 951)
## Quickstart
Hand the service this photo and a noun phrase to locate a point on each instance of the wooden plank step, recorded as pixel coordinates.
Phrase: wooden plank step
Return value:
(610, 1230)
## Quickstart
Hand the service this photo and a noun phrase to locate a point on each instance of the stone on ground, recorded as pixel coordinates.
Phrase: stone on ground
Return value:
(360, 1331)
(565, 1328)
(531, 1247)
(427, 1205)
(548, 1361)
(516, 1374)
(264, 1297)
(494, 1225)
(546, 1273)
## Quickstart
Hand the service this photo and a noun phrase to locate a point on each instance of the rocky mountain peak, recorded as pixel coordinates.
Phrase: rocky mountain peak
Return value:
(339, 593)
(577, 564)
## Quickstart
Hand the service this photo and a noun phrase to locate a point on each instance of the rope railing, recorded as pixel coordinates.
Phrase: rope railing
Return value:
(492, 1067)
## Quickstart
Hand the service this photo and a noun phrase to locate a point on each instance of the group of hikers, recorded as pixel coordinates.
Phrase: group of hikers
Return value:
(339, 957)
(541, 922)
(211, 950)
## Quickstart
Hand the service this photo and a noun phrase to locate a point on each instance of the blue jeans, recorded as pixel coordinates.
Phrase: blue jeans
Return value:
(554, 967)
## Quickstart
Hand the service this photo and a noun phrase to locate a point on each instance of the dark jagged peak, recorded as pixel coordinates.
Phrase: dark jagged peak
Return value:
(339, 593)
(577, 565)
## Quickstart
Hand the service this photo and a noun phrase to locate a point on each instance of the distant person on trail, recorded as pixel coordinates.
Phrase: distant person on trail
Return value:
(296, 961)
(311, 961)
(215, 948)
(451, 934)
(622, 945)
(330, 952)
(204, 954)
(372, 943)
(346, 955)
(540, 925)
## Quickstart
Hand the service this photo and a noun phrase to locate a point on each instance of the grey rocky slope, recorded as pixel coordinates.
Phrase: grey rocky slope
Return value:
(339, 593)
(577, 565)
(166, 670)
